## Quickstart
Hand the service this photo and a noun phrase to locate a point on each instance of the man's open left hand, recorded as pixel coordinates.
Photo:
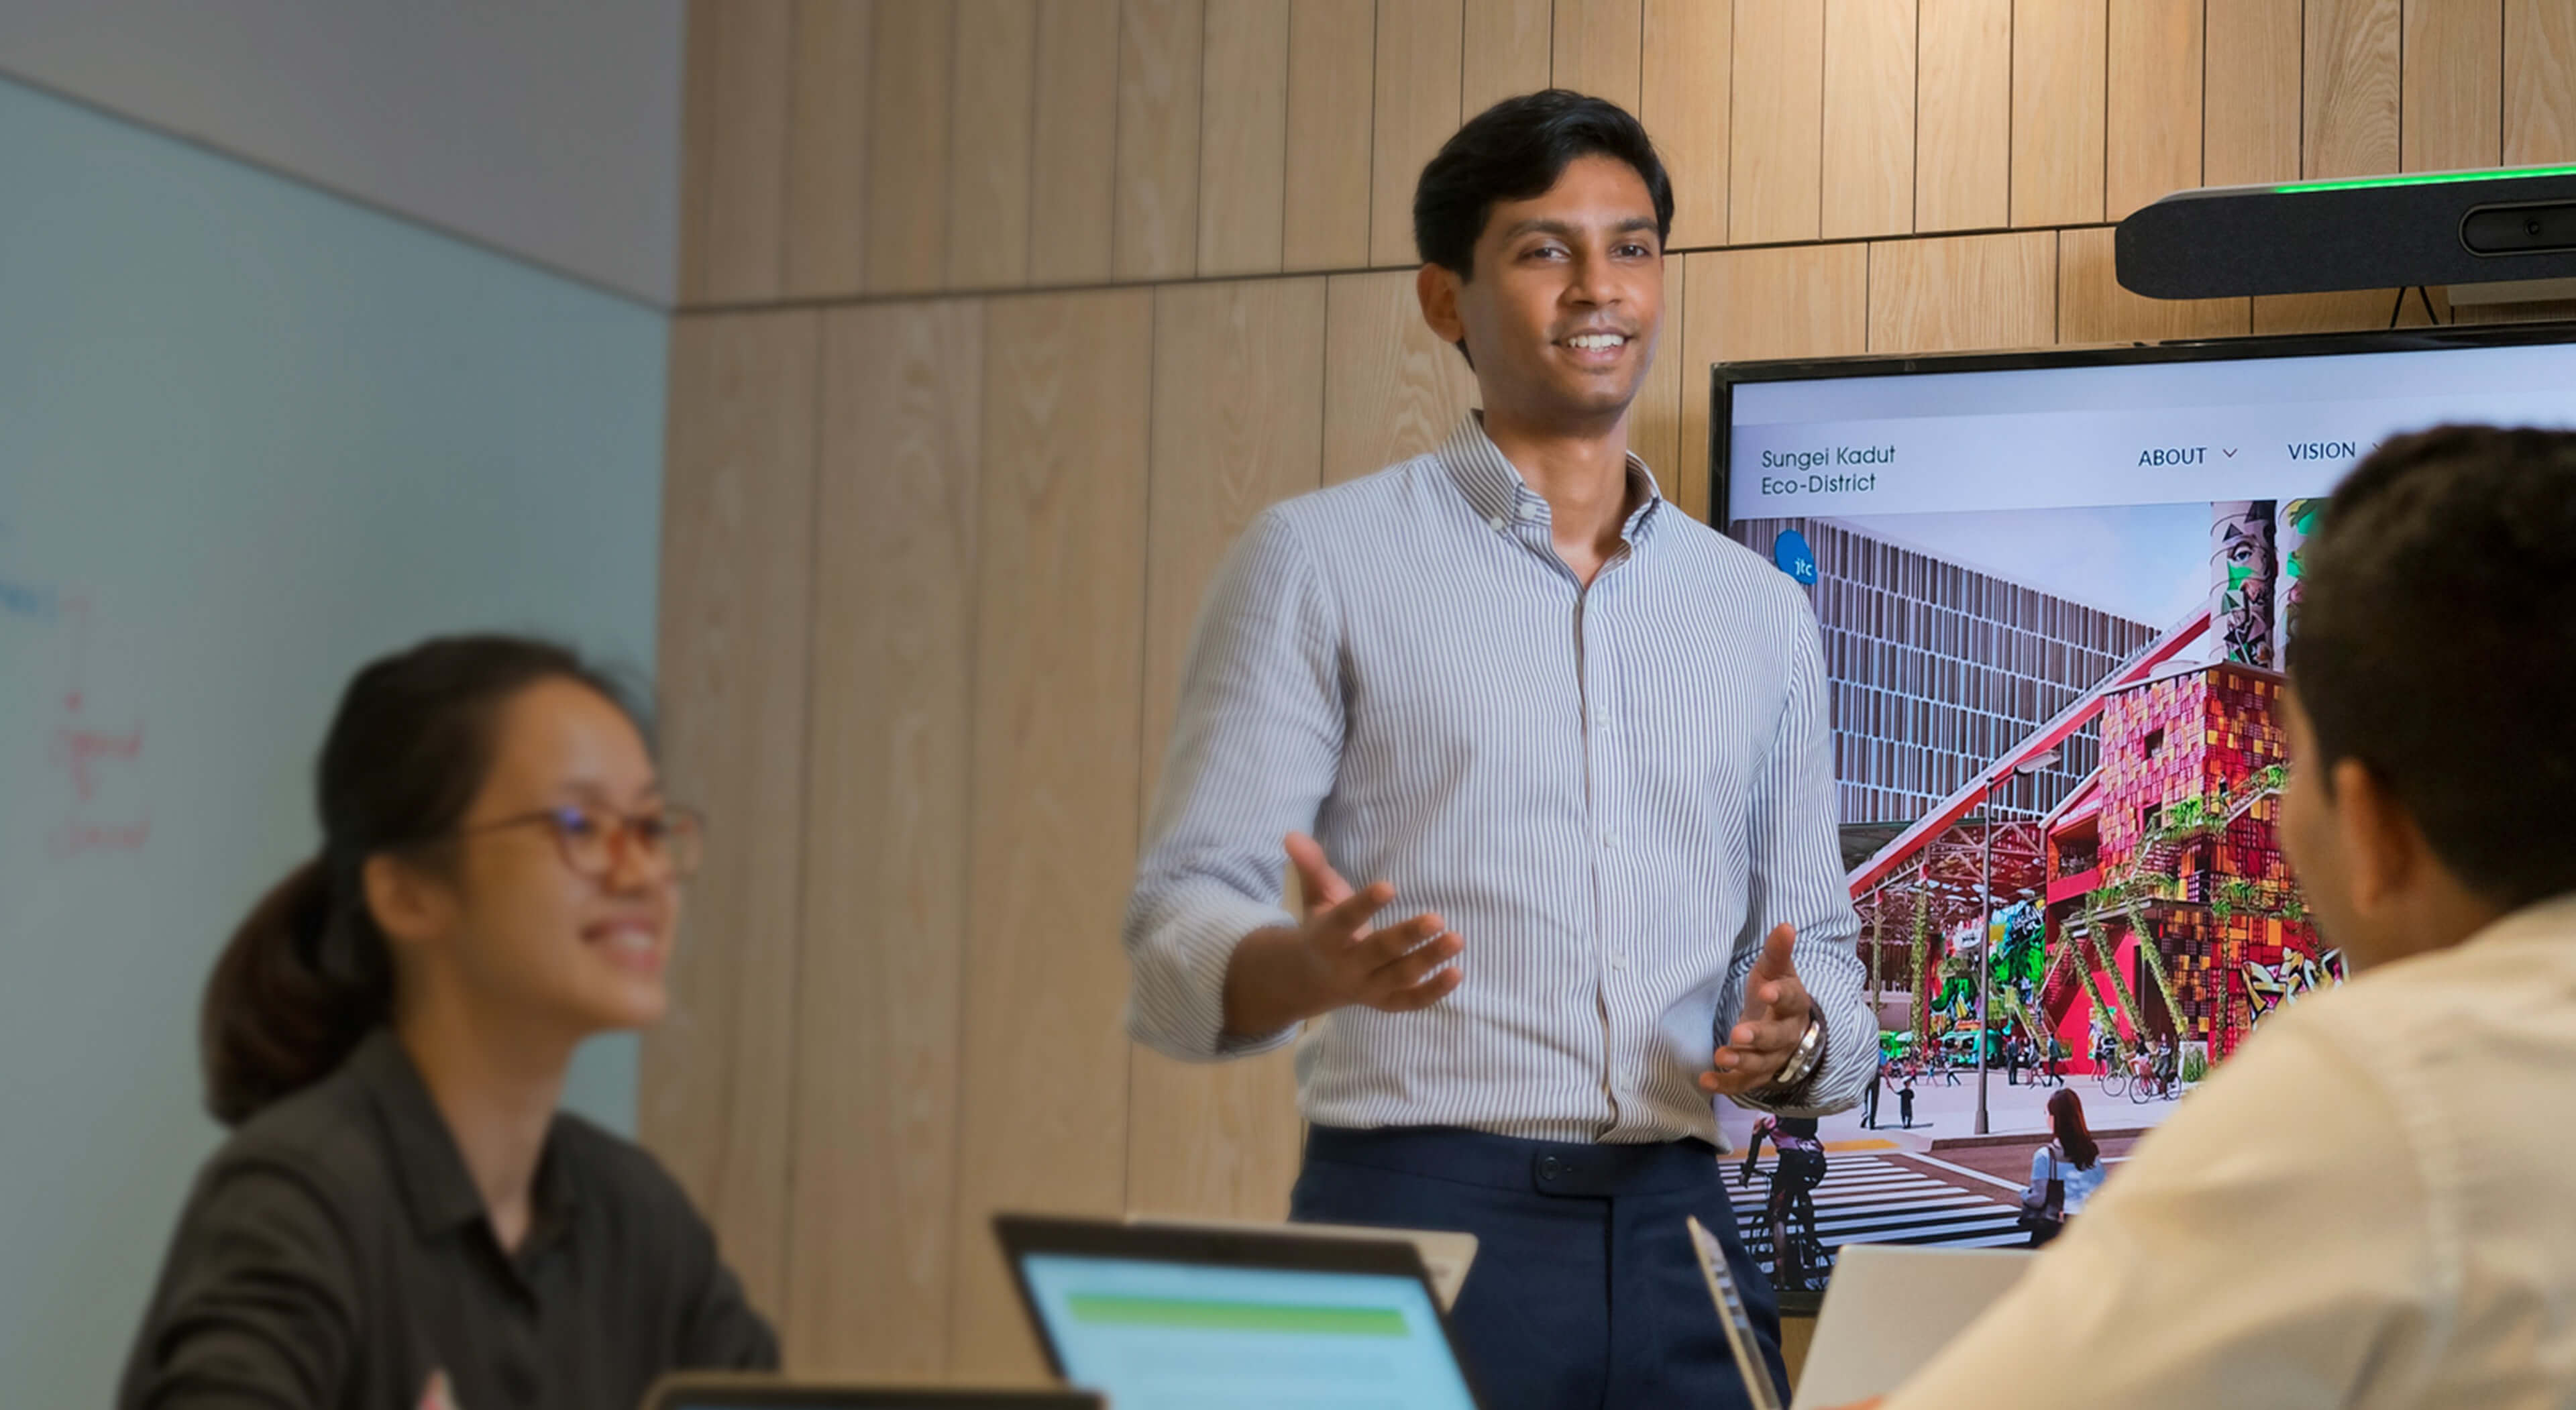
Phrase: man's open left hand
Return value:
(1766, 1032)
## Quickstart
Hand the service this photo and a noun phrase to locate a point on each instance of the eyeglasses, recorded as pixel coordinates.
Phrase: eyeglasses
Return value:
(591, 839)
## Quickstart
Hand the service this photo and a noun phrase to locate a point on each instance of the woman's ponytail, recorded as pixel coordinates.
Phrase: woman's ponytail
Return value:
(301, 982)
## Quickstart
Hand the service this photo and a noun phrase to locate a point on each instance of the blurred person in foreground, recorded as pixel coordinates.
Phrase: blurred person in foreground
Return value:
(401, 1216)
(2370, 1205)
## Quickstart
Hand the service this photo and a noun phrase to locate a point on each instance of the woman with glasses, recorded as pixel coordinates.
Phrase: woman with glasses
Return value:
(401, 1217)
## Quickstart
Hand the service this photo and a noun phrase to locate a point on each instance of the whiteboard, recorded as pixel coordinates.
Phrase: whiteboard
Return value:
(250, 437)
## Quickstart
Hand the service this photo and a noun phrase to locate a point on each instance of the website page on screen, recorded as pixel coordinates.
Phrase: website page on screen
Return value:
(1161, 1336)
(2054, 604)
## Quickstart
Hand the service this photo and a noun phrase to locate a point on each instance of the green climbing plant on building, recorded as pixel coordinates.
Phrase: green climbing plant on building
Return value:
(1922, 956)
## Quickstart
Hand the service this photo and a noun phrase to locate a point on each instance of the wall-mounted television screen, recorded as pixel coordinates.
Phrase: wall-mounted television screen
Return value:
(2055, 589)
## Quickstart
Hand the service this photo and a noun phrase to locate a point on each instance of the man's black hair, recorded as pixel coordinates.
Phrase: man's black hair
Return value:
(1517, 149)
(2436, 644)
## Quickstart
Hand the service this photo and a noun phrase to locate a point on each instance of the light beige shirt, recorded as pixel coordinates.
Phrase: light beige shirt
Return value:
(2372, 1205)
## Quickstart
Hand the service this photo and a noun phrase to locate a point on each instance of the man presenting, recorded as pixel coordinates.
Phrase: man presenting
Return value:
(1584, 739)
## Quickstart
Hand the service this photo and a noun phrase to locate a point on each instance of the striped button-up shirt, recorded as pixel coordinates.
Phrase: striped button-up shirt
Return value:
(1611, 794)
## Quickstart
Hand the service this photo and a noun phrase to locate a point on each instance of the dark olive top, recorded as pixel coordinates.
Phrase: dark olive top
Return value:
(335, 1253)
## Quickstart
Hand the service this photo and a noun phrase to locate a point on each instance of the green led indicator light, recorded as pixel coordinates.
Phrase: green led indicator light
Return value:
(2427, 178)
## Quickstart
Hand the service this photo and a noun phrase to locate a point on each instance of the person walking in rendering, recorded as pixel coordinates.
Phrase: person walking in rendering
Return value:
(2064, 1173)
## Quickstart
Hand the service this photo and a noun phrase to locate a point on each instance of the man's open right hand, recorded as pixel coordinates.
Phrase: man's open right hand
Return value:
(1390, 968)
(1336, 958)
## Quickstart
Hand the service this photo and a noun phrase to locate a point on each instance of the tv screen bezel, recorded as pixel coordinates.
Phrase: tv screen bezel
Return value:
(1724, 377)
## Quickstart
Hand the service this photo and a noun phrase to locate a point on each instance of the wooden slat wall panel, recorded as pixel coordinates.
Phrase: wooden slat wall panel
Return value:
(1776, 169)
(2539, 82)
(1869, 118)
(1743, 305)
(1969, 291)
(1238, 425)
(1059, 654)
(1504, 49)
(738, 500)
(1685, 98)
(2093, 308)
(2452, 105)
(1963, 115)
(1655, 420)
(1332, 55)
(2057, 113)
(2250, 102)
(2349, 117)
(1156, 234)
(1417, 110)
(907, 207)
(1392, 389)
(1599, 46)
(2153, 131)
(827, 149)
(885, 840)
(991, 127)
(1074, 147)
(734, 150)
(1243, 136)
(2348, 311)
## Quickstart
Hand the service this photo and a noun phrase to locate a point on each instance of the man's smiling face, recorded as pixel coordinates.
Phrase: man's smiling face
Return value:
(1567, 295)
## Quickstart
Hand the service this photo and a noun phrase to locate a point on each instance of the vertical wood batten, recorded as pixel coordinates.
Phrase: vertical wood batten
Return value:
(1073, 150)
(1159, 58)
(1059, 636)
(1685, 99)
(885, 841)
(1869, 118)
(1776, 168)
(1963, 115)
(738, 502)
(1417, 90)
(1243, 137)
(2348, 121)
(907, 205)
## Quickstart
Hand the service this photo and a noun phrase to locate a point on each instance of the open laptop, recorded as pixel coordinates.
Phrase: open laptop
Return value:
(737, 1391)
(1891, 1308)
(1159, 1317)
(1446, 1256)
(1889, 1311)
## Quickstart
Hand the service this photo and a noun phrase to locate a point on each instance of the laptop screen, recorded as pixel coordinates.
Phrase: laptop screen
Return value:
(1161, 1336)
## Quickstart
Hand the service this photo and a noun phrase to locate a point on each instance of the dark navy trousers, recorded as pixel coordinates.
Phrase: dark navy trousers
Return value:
(1585, 1291)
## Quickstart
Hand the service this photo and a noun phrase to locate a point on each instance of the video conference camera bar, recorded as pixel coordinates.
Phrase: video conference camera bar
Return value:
(2376, 232)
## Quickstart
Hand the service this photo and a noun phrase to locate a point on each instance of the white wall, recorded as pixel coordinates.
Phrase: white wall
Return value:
(251, 436)
(549, 129)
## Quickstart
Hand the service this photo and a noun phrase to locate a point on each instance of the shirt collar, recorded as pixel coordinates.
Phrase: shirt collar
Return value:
(437, 1189)
(2552, 920)
(1495, 490)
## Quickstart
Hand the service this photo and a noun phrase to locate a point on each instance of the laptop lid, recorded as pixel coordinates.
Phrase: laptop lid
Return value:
(1733, 1317)
(1160, 1317)
(736, 1391)
(1890, 1309)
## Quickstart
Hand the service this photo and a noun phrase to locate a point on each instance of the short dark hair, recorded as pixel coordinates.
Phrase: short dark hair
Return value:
(2436, 644)
(1517, 149)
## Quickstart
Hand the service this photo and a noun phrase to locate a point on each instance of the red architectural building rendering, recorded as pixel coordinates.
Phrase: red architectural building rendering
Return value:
(2177, 836)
